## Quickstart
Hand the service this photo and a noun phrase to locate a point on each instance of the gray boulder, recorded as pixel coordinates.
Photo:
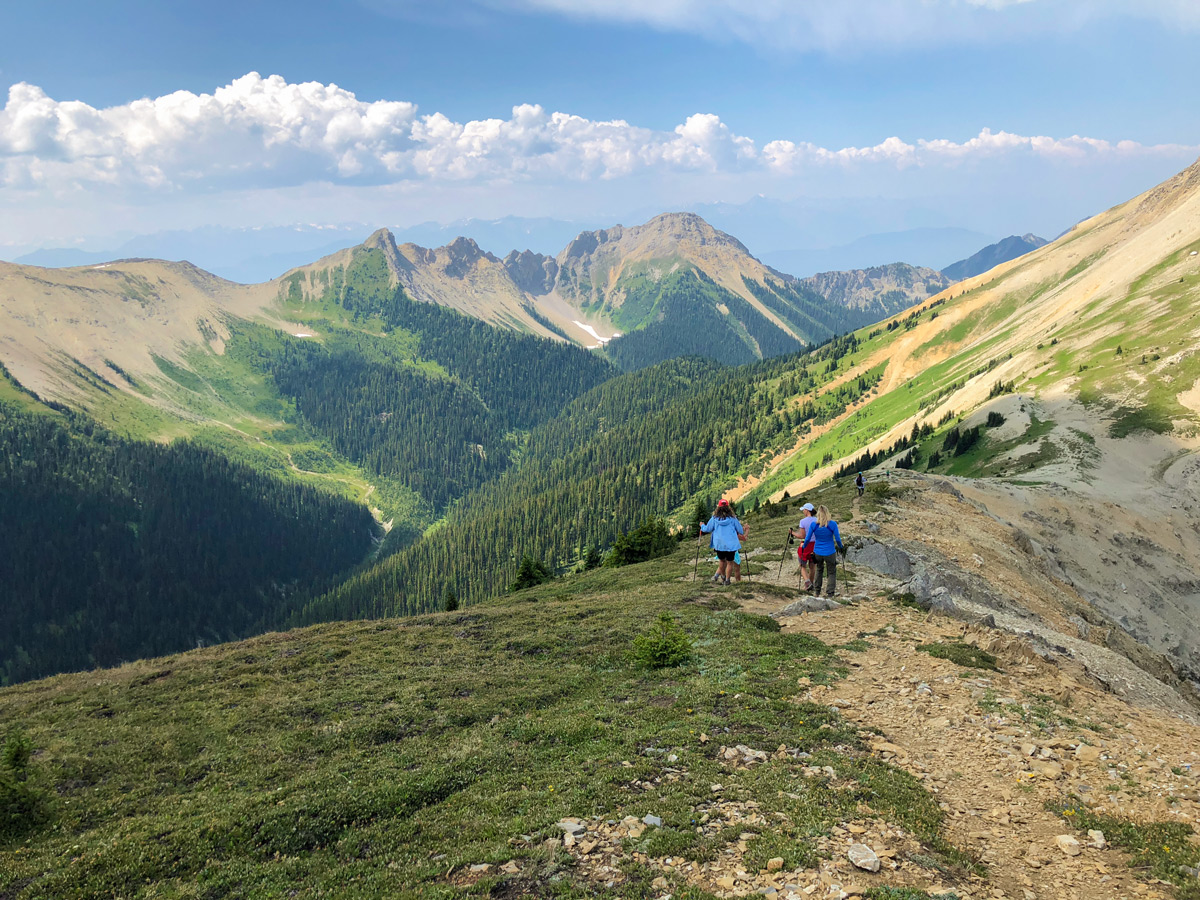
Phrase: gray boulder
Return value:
(806, 604)
(883, 559)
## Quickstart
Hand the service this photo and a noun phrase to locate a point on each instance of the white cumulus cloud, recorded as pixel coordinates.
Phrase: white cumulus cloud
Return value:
(267, 133)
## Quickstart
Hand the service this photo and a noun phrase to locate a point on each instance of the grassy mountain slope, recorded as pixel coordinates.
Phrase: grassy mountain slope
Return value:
(434, 756)
(379, 746)
(1103, 316)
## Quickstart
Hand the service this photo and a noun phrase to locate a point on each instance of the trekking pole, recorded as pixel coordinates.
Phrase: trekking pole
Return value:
(783, 555)
(696, 564)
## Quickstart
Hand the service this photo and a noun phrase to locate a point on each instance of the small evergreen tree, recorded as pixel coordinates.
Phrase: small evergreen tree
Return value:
(24, 798)
(592, 558)
(449, 600)
(530, 573)
(648, 541)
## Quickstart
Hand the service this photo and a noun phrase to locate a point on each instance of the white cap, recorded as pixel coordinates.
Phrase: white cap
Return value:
(808, 506)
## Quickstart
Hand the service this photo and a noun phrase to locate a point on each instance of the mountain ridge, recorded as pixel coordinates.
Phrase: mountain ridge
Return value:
(993, 255)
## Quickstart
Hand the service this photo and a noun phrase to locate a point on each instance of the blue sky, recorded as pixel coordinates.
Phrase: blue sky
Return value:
(792, 100)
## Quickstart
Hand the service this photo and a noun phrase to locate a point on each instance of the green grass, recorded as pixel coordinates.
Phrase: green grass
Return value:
(345, 758)
(961, 654)
(1156, 849)
(904, 893)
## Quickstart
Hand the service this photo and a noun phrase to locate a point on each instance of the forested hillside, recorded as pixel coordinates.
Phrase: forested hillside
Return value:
(118, 549)
(413, 391)
(644, 444)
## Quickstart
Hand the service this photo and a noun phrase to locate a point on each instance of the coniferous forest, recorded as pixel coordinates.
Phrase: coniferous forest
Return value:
(116, 549)
(637, 446)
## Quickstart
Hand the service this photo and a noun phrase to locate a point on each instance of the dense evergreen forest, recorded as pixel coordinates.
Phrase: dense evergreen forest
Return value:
(116, 549)
(642, 444)
(521, 378)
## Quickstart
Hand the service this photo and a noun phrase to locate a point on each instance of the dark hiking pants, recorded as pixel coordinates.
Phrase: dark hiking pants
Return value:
(826, 562)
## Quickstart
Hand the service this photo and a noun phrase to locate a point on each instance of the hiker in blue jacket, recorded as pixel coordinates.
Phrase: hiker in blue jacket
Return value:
(827, 545)
(725, 530)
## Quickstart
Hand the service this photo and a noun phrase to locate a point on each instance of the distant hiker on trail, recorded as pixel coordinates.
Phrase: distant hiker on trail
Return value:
(805, 550)
(725, 529)
(828, 544)
(860, 483)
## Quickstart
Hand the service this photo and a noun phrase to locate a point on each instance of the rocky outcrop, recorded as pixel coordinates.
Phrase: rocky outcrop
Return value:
(891, 288)
(532, 272)
(883, 559)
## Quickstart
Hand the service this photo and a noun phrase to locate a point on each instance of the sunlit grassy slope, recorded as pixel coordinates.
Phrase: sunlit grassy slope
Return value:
(371, 759)
(1106, 316)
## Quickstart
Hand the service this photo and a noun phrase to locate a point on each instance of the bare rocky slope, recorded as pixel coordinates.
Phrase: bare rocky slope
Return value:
(880, 286)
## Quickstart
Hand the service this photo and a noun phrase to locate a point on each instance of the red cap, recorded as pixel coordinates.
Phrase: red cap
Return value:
(722, 502)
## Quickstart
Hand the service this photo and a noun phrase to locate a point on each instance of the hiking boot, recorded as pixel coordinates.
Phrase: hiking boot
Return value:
(716, 577)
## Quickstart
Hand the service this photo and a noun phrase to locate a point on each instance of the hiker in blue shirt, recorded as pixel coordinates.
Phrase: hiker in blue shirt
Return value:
(726, 531)
(827, 543)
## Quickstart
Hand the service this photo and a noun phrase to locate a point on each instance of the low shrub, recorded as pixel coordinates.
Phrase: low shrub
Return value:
(663, 646)
(961, 654)
(24, 798)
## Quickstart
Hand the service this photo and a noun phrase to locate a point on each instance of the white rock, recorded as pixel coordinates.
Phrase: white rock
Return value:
(1096, 839)
(864, 857)
(1068, 844)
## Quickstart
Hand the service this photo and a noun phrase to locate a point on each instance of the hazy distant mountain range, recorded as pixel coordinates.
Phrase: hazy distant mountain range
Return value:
(800, 237)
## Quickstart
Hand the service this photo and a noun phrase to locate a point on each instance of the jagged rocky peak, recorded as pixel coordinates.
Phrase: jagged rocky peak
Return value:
(383, 240)
(464, 249)
(661, 233)
(586, 243)
(534, 273)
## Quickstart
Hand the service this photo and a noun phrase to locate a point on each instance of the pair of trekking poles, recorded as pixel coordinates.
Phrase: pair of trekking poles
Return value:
(783, 556)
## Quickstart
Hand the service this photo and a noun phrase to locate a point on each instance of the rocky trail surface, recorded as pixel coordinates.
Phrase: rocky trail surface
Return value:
(1003, 751)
